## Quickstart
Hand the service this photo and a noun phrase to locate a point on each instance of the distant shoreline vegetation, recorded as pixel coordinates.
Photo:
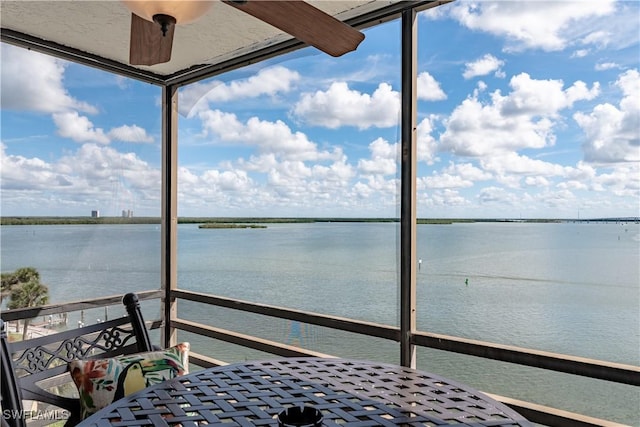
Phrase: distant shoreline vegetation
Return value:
(225, 225)
(249, 222)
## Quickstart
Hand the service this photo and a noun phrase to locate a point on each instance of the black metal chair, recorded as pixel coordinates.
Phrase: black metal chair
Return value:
(31, 367)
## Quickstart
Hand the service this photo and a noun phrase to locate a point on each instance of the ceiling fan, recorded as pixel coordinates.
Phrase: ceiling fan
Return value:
(153, 25)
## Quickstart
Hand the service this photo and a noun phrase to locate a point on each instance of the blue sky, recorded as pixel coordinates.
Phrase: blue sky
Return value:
(526, 109)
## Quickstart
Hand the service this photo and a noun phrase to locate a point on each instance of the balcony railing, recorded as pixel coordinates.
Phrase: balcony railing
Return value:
(615, 372)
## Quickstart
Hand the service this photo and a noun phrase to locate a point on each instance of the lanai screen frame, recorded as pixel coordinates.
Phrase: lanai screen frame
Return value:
(406, 11)
(409, 337)
(408, 219)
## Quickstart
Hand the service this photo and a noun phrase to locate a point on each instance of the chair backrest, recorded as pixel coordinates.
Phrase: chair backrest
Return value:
(11, 397)
(31, 367)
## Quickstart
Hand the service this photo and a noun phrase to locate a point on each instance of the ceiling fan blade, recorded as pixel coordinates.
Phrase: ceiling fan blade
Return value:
(304, 22)
(148, 46)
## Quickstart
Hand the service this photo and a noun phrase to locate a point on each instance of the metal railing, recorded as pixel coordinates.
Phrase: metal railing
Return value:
(615, 372)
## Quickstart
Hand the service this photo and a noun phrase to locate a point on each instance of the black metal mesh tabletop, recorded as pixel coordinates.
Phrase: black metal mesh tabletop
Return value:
(347, 392)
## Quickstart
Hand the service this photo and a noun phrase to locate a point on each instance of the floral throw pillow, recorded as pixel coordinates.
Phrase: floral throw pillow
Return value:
(103, 381)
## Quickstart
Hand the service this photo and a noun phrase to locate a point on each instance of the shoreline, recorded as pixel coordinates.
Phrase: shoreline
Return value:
(79, 220)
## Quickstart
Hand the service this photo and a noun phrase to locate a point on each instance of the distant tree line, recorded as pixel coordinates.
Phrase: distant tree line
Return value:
(82, 220)
(74, 220)
(78, 220)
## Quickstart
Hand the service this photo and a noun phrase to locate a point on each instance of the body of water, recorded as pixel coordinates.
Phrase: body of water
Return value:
(571, 288)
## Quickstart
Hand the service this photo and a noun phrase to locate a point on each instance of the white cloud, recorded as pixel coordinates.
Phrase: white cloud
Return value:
(101, 166)
(460, 175)
(559, 200)
(613, 133)
(257, 163)
(303, 186)
(519, 120)
(429, 89)
(468, 171)
(481, 67)
(269, 137)
(601, 38)
(293, 173)
(340, 106)
(537, 181)
(268, 81)
(290, 172)
(427, 144)
(603, 66)
(622, 180)
(31, 81)
(544, 97)
(377, 186)
(236, 180)
(534, 25)
(515, 171)
(497, 195)
(78, 128)
(131, 133)
(265, 166)
(572, 185)
(580, 53)
(582, 172)
(22, 173)
(512, 163)
(93, 177)
(213, 191)
(384, 159)
(279, 138)
(338, 171)
(445, 181)
(442, 198)
(225, 125)
(474, 129)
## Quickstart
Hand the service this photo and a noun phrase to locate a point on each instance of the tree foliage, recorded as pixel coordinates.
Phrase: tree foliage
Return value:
(30, 294)
(25, 290)
(19, 277)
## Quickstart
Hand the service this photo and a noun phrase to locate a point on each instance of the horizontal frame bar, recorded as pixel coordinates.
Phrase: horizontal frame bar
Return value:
(48, 47)
(376, 17)
(333, 322)
(609, 371)
(200, 72)
(549, 416)
(244, 340)
(626, 374)
(45, 310)
(204, 361)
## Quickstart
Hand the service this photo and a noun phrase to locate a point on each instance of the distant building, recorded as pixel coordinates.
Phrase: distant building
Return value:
(127, 213)
(95, 214)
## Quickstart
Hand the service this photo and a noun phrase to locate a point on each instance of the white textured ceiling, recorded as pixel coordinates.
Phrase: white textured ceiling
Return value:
(102, 28)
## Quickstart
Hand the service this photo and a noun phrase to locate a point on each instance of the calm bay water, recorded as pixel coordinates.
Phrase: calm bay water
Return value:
(568, 288)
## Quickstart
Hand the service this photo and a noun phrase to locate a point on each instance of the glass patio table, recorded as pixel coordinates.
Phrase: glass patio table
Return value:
(347, 392)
